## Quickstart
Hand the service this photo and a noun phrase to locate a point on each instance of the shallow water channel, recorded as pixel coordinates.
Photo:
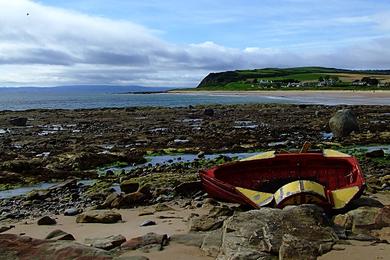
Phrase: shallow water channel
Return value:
(153, 161)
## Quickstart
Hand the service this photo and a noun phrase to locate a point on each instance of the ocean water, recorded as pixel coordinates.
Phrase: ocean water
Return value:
(78, 100)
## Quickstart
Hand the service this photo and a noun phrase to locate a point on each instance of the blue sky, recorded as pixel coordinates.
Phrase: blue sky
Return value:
(177, 43)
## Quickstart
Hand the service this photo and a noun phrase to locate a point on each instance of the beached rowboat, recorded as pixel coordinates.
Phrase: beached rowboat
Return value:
(327, 178)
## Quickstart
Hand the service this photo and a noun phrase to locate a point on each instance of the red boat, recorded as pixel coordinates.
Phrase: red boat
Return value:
(328, 178)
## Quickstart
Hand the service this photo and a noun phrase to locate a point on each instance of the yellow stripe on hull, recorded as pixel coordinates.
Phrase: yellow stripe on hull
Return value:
(266, 155)
(257, 198)
(334, 153)
(341, 197)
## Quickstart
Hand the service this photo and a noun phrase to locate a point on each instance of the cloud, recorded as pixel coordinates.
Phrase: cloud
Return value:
(54, 46)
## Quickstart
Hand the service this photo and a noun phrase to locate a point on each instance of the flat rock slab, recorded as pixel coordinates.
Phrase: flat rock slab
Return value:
(148, 240)
(106, 243)
(23, 247)
(96, 216)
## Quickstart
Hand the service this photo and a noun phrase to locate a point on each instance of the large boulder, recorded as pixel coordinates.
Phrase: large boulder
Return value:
(343, 123)
(23, 247)
(96, 216)
(268, 232)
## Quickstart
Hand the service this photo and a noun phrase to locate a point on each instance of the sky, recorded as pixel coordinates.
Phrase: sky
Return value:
(175, 43)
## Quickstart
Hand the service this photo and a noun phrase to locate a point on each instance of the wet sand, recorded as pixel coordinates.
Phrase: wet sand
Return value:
(327, 97)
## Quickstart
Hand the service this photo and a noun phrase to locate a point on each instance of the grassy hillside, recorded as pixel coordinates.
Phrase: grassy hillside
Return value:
(293, 78)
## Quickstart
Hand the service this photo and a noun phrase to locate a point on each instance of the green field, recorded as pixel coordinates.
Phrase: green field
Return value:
(308, 77)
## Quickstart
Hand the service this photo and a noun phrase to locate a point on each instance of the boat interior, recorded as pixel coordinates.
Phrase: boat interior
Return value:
(270, 174)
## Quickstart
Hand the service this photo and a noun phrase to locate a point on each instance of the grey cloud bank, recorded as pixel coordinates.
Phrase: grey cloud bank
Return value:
(53, 46)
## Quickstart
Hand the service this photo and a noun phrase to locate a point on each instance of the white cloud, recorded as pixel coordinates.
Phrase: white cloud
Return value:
(53, 46)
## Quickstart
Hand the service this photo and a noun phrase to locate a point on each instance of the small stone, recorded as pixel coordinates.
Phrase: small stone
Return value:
(71, 212)
(148, 223)
(46, 220)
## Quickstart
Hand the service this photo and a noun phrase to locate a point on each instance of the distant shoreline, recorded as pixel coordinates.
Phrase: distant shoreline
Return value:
(292, 93)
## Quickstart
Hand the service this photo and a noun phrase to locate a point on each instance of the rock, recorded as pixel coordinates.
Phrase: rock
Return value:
(375, 153)
(114, 200)
(147, 223)
(129, 186)
(133, 199)
(294, 248)
(211, 221)
(343, 123)
(37, 195)
(365, 201)
(268, 232)
(190, 239)
(70, 184)
(188, 188)
(71, 212)
(6, 228)
(106, 243)
(212, 243)
(46, 220)
(95, 216)
(162, 207)
(206, 223)
(133, 257)
(10, 177)
(18, 121)
(208, 112)
(364, 220)
(150, 239)
(59, 235)
(23, 247)
(201, 155)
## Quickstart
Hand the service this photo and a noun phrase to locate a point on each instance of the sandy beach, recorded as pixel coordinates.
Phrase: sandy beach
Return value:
(352, 94)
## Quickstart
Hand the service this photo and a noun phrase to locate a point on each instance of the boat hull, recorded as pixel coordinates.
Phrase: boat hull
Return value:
(329, 178)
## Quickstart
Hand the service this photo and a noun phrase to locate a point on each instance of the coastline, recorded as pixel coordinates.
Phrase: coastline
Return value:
(289, 93)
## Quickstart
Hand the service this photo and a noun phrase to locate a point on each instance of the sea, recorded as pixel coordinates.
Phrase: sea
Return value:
(75, 99)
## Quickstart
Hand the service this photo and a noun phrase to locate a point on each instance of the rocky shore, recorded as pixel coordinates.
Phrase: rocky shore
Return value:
(156, 206)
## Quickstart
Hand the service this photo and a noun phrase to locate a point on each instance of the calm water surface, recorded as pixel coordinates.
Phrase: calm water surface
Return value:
(78, 100)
